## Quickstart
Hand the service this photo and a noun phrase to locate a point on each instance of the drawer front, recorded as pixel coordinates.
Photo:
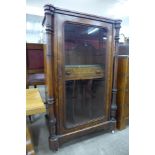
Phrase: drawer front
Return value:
(81, 72)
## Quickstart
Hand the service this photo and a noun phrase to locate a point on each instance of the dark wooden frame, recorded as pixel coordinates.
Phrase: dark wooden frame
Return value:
(53, 21)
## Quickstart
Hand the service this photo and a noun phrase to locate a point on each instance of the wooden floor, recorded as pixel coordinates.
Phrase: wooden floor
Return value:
(94, 144)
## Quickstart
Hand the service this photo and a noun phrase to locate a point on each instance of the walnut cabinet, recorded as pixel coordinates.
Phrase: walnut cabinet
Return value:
(81, 73)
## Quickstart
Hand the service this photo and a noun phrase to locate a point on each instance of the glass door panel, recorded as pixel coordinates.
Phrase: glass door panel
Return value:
(85, 60)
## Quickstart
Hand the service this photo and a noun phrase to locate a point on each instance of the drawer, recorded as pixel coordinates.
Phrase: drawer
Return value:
(81, 72)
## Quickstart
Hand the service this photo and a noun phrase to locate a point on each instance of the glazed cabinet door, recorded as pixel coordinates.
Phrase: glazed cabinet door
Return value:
(83, 48)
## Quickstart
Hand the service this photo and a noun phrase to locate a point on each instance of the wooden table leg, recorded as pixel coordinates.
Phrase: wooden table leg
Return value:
(29, 144)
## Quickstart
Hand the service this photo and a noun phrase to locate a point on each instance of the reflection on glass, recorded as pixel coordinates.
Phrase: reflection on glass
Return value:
(85, 56)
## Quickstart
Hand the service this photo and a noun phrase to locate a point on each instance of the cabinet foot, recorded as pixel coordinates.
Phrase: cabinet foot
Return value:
(53, 143)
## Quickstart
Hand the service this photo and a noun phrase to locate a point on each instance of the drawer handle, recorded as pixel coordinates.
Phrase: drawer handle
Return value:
(68, 73)
(98, 72)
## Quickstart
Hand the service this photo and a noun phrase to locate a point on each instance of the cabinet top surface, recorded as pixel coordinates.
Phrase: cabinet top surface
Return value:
(50, 9)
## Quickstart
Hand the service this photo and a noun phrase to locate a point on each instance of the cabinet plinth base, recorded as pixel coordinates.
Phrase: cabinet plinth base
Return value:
(54, 143)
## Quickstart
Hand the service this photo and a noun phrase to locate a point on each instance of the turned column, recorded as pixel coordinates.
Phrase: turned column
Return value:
(117, 27)
(48, 23)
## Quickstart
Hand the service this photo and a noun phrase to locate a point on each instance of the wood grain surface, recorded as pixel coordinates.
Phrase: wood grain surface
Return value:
(34, 103)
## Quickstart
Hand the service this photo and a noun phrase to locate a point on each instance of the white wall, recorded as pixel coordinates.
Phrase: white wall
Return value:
(34, 29)
(117, 9)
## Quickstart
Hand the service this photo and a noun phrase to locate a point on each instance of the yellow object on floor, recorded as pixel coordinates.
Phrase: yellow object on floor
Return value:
(29, 145)
(34, 103)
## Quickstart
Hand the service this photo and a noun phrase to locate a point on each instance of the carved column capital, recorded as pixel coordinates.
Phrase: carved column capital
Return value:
(47, 21)
(117, 28)
(49, 9)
